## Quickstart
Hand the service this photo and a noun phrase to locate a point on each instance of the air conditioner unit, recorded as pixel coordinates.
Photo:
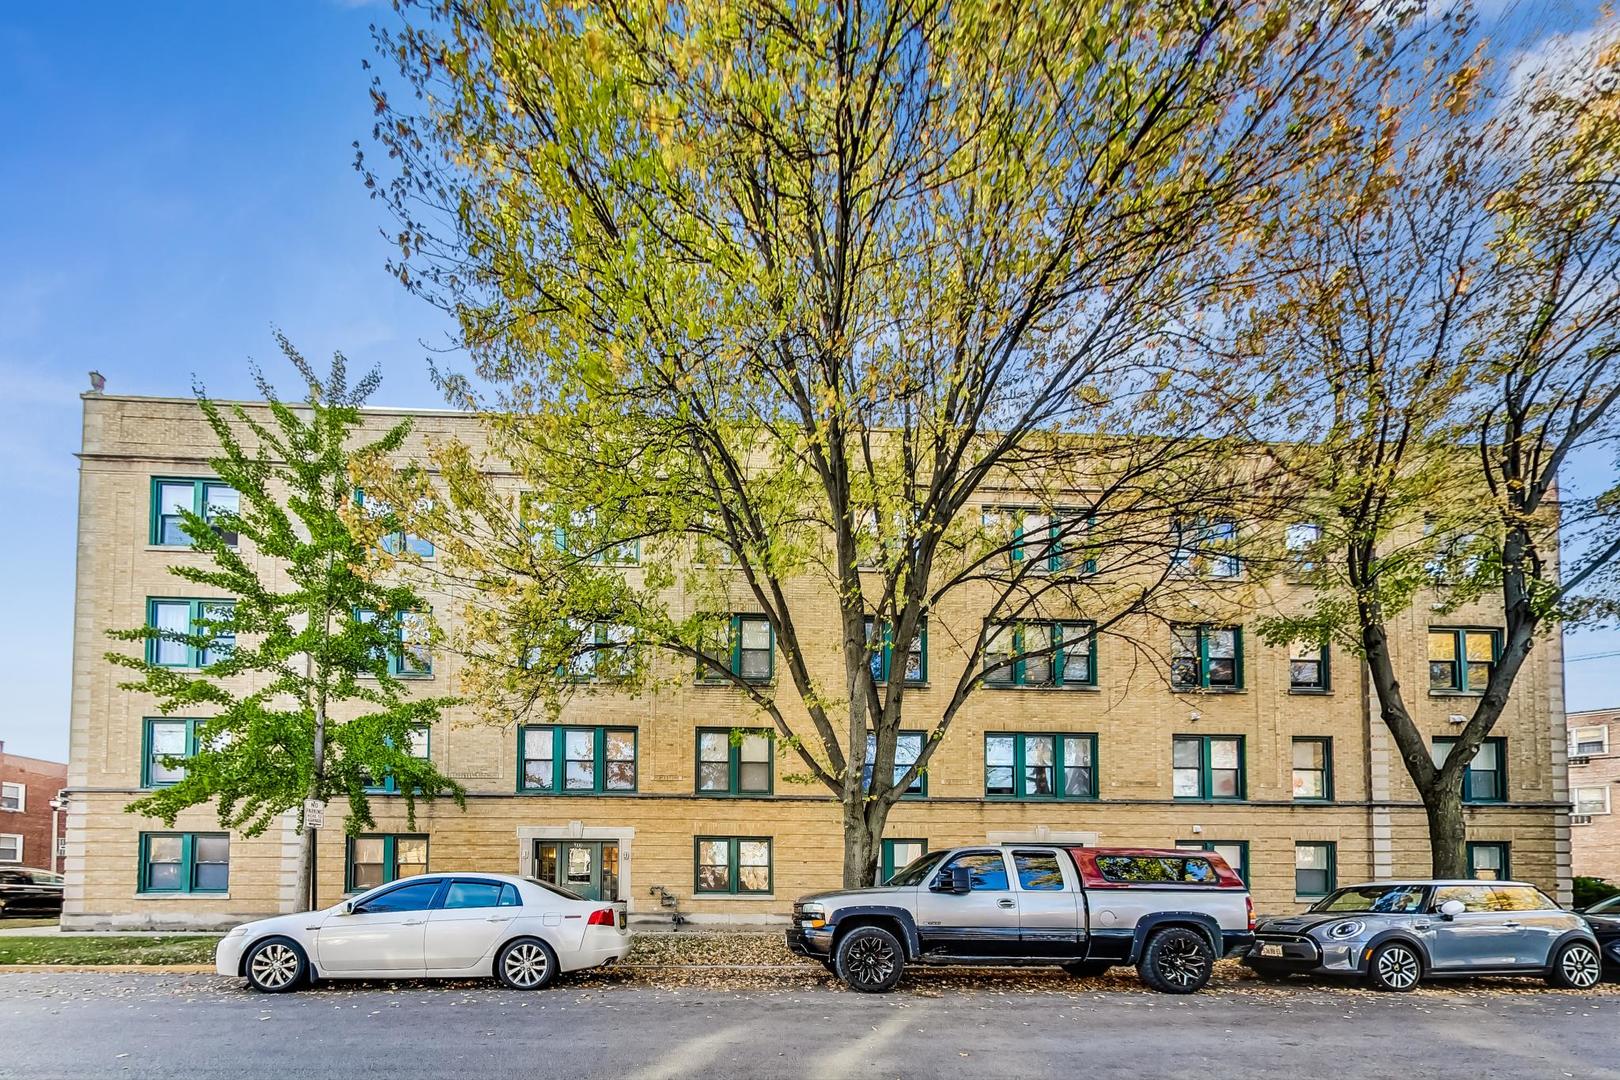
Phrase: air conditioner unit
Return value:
(1457, 718)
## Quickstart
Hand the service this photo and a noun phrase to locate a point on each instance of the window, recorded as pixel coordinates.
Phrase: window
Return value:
(1030, 766)
(584, 538)
(410, 653)
(907, 749)
(733, 763)
(1207, 547)
(1488, 862)
(480, 894)
(185, 623)
(416, 896)
(13, 797)
(1314, 870)
(899, 854)
(1207, 767)
(1041, 541)
(185, 862)
(1461, 660)
(378, 859)
(1206, 657)
(396, 541)
(1308, 666)
(576, 760)
(1235, 852)
(916, 671)
(1486, 777)
(173, 498)
(1157, 869)
(1301, 540)
(1592, 800)
(420, 747)
(1313, 770)
(737, 865)
(1059, 654)
(168, 741)
(603, 651)
(748, 651)
(11, 848)
(987, 871)
(1588, 741)
(1472, 897)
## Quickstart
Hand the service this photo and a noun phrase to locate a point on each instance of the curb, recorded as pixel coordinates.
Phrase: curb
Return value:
(113, 969)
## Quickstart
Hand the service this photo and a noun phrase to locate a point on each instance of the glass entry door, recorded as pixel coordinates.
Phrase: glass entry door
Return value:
(588, 868)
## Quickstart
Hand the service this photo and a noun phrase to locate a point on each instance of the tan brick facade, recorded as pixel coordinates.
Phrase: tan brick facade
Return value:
(1373, 818)
(1594, 783)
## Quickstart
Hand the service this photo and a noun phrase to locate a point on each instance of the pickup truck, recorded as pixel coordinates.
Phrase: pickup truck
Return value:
(1171, 913)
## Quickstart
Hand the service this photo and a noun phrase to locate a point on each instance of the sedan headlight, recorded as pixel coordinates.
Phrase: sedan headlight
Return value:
(236, 931)
(1347, 929)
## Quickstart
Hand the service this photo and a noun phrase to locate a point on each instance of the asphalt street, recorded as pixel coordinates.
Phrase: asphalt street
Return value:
(147, 1025)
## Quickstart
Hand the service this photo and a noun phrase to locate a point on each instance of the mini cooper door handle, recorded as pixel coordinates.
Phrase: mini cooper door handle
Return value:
(1004, 903)
(1512, 925)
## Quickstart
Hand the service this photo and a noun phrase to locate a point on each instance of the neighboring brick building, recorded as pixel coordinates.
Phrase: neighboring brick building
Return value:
(1297, 784)
(1594, 785)
(27, 786)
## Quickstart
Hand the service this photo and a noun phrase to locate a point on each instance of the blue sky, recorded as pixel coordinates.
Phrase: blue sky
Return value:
(177, 180)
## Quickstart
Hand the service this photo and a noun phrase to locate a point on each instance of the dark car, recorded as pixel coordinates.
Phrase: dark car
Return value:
(30, 892)
(1604, 919)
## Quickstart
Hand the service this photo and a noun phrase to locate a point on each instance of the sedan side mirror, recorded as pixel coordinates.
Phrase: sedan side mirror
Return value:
(348, 908)
(1451, 909)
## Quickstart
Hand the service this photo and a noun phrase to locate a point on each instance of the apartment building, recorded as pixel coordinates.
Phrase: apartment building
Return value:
(1594, 784)
(1272, 756)
(30, 826)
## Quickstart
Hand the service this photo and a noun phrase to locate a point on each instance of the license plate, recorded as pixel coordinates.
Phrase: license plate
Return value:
(1271, 950)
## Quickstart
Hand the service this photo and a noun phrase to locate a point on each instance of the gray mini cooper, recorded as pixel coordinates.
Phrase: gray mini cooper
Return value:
(1397, 934)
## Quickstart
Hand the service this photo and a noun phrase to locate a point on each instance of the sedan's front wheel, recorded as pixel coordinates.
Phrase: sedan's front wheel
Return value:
(276, 965)
(1395, 967)
(526, 964)
(1576, 967)
(870, 959)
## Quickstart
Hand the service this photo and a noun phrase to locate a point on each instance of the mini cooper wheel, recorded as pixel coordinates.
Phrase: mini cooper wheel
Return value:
(275, 966)
(1576, 967)
(1395, 966)
(870, 959)
(1087, 969)
(526, 964)
(1176, 960)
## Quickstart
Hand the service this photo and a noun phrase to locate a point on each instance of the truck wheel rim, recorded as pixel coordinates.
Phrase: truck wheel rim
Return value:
(870, 961)
(1183, 962)
(526, 965)
(274, 965)
(1398, 968)
(1580, 967)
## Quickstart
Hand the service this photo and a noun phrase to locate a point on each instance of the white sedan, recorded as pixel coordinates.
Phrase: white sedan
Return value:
(449, 926)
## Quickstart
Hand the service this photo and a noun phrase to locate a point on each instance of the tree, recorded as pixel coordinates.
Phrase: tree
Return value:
(780, 293)
(1443, 335)
(295, 671)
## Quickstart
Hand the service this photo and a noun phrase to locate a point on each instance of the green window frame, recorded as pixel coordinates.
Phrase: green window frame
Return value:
(164, 528)
(1483, 785)
(392, 852)
(1223, 848)
(740, 658)
(1499, 851)
(1309, 853)
(1200, 766)
(397, 540)
(421, 747)
(891, 863)
(194, 857)
(164, 652)
(410, 656)
(1309, 670)
(1457, 664)
(1317, 788)
(151, 765)
(610, 648)
(554, 759)
(1193, 535)
(728, 762)
(1068, 772)
(1057, 663)
(720, 863)
(883, 656)
(908, 746)
(1198, 660)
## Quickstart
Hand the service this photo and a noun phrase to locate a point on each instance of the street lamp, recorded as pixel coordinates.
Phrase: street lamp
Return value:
(58, 805)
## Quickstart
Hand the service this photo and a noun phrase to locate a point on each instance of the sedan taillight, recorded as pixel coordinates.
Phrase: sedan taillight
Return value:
(602, 917)
(1249, 902)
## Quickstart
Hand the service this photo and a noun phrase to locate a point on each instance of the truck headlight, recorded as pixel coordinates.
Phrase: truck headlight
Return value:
(1347, 929)
(815, 916)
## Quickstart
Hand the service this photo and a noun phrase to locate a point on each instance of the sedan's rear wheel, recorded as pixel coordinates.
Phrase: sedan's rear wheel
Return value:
(1396, 967)
(526, 964)
(1176, 960)
(870, 959)
(1576, 967)
(276, 965)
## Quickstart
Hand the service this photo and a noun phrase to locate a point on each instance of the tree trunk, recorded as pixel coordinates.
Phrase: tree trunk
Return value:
(863, 840)
(1448, 848)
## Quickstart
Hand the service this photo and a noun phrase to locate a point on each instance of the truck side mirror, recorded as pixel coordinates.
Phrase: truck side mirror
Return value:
(961, 879)
(1451, 909)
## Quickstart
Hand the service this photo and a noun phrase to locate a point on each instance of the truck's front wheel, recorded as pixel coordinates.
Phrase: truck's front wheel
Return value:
(1176, 960)
(870, 959)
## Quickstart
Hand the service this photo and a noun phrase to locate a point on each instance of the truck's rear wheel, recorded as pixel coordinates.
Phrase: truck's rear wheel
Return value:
(870, 959)
(1176, 960)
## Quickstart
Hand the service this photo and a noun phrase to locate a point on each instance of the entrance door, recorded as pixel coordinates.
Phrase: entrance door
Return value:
(588, 868)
